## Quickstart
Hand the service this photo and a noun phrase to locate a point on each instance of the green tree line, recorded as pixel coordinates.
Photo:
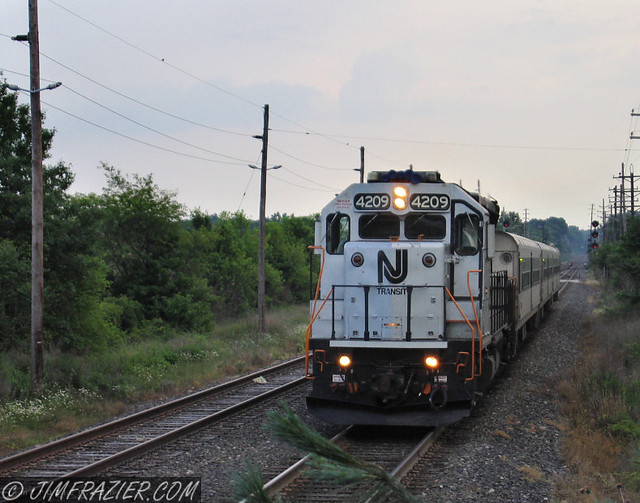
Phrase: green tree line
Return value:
(618, 262)
(129, 260)
(569, 239)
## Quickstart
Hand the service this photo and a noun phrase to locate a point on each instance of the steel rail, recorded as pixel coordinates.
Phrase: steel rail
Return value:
(414, 456)
(285, 478)
(289, 475)
(75, 439)
(571, 273)
(138, 449)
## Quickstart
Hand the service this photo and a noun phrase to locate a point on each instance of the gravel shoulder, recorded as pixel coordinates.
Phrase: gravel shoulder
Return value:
(509, 450)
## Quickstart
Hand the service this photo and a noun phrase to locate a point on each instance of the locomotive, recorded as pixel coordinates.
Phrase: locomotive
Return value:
(419, 300)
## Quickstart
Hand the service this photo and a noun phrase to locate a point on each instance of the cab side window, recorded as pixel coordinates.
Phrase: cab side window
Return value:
(467, 232)
(338, 232)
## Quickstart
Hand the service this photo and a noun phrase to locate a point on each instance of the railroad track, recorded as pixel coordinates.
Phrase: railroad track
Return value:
(396, 452)
(97, 449)
(567, 277)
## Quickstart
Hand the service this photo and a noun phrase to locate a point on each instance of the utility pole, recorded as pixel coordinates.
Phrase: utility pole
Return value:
(526, 214)
(263, 218)
(633, 194)
(605, 230)
(615, 213)
(361, 170)
(262, 237)
(623, 199)
(37, 227)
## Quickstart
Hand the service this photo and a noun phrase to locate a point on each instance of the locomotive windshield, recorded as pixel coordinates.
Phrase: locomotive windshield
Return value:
(423, 226)
(338, 231)
(379, 226)
(416, 226)
(467, 234)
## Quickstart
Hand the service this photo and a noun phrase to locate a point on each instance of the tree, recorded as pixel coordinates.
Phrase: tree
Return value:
(621, 262)
(513, 222)
(140, 235)
(288, 238)
(74, 280)
(15, 175)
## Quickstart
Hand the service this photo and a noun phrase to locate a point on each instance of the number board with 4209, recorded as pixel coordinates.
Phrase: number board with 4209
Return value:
(420, 202)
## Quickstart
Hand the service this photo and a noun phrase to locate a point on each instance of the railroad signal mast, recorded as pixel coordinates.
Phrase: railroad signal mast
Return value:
(593, 242)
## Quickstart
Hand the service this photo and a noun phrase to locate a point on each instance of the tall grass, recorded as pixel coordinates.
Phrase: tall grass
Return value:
(601, 404)
(84, 388)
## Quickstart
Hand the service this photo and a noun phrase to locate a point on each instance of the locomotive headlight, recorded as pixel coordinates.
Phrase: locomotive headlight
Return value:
(344, 361)
(400, 197)
(432, 362)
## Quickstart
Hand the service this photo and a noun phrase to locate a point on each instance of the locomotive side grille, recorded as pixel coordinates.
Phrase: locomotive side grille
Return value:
(502, 300)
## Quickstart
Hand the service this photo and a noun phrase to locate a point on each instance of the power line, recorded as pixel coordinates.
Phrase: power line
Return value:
(141, 141)
(189, 74)
(453, 144)
(308, 180)
(161, 60)
(306, 162)
(134, 100)
(150, 128)
(297, 185)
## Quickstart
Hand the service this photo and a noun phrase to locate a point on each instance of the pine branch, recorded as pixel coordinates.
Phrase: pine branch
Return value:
(330, 462)
(248, 486)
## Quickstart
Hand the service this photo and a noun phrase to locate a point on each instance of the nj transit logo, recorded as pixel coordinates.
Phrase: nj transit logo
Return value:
(394, 273)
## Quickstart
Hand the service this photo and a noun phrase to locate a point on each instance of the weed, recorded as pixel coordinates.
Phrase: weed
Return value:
(601, 405)
(85, 388)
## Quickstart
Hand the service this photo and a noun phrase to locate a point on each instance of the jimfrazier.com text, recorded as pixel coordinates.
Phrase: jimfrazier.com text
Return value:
(98, 489)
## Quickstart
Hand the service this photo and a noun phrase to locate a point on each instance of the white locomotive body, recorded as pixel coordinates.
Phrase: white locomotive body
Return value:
(419, 300)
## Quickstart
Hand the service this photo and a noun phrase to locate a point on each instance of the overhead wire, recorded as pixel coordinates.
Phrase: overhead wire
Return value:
(134, 100)
(161, 60)
(150, 128)
(289, 182)
(271, 147)
(247, 187)
(137, 140)
(453, 144)
(308, 180)
(191, 75)
(147, 53)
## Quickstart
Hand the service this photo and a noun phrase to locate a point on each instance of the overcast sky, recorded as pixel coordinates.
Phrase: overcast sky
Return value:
(530, 98)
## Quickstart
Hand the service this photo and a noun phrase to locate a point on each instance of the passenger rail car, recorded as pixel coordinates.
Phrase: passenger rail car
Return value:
(419, 299)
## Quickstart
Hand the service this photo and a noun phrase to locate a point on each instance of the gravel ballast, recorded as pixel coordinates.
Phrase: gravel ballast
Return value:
(509, 450)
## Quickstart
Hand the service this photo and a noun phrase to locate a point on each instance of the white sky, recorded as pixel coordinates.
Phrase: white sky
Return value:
(532, 98)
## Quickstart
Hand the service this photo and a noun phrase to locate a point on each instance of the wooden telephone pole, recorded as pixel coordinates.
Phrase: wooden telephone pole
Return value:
(262, 237)
(37, 227)
(261, 246)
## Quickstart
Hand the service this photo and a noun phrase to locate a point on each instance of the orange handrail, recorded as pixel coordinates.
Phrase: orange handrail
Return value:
(473, 334)
(314, 314)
